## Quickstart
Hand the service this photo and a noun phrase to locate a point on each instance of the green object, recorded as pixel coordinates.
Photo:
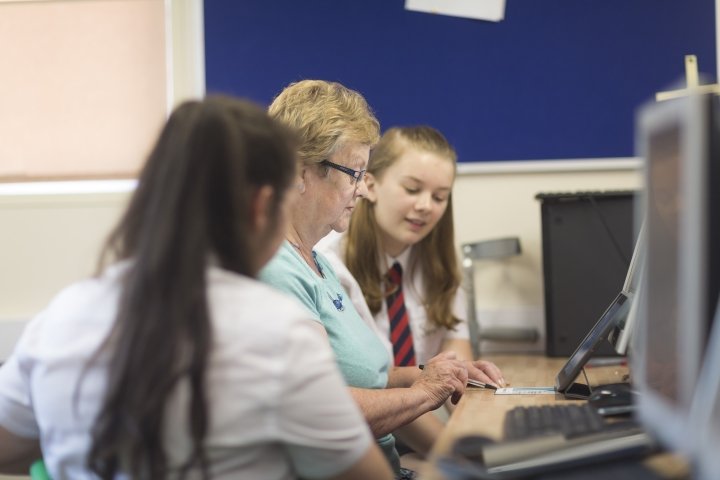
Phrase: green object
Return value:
(38, 471)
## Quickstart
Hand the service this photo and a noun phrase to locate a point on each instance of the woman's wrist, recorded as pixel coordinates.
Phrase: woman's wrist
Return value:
(425, 400)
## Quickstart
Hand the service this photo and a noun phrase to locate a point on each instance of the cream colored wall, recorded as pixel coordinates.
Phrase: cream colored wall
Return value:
(49, 241)
(498, 205)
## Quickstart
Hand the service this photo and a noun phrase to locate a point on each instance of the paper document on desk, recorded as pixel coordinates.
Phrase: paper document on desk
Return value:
(526, 391)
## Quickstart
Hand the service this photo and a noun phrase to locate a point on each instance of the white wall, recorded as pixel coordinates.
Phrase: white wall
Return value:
(48, 241)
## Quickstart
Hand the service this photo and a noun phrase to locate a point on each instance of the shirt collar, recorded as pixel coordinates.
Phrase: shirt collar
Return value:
(403, 259)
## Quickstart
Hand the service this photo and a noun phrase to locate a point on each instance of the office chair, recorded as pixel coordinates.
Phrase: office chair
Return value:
(38, 471)
(494, 249)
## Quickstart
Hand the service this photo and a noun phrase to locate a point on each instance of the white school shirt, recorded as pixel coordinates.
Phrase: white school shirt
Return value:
(427, 339)
(278, 406)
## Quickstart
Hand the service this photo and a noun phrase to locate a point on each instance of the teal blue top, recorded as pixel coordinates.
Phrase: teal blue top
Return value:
(361, 356)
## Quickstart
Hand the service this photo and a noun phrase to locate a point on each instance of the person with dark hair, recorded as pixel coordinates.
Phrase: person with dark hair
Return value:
(337, 131)
(174, 362)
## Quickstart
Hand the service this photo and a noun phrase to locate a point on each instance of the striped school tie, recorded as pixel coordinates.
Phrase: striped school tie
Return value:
(400, 334)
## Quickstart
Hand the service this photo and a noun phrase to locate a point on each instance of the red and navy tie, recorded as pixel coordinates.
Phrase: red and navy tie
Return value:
(400, 334)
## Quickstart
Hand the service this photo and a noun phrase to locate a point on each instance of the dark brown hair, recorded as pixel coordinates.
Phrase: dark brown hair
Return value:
(192, 203)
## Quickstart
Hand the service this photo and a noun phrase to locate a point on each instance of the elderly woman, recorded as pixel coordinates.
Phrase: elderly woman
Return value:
(337, 131)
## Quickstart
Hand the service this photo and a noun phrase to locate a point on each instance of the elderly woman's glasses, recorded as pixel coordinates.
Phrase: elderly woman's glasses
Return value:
(357, 175)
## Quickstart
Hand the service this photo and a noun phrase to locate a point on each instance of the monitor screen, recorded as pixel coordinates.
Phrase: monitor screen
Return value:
(676, 140)
(705, 408)
(663, 206)
(572, 368)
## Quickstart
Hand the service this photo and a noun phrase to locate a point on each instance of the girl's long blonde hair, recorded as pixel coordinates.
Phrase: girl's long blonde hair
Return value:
(434, 255)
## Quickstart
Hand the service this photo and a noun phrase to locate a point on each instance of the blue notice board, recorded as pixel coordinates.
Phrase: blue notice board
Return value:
(557, 79)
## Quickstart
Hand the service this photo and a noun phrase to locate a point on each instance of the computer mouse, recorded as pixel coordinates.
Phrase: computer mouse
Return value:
(612, 399)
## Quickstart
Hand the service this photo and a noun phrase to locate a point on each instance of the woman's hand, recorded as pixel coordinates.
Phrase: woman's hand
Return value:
(480, 370)
(486, 372)
(443, 377)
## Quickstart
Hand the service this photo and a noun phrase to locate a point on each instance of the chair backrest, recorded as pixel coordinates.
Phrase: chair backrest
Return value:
(493, 249)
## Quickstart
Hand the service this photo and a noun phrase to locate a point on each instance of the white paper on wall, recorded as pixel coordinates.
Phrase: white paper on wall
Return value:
(493, 10)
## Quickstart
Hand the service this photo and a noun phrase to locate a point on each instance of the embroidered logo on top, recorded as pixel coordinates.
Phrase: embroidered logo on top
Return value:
(338, 302)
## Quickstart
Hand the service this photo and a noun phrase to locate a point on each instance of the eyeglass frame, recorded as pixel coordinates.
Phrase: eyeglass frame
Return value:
(356, 175)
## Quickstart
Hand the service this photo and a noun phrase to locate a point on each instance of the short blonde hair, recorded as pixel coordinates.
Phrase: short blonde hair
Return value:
(326, 115)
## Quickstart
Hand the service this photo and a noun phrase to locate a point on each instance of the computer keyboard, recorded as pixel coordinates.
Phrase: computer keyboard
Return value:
(570, 420)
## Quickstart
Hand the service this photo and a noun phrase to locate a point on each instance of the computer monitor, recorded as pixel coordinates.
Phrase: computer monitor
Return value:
(678, 140)
(619, 336)
(613, 319)
(565, 379)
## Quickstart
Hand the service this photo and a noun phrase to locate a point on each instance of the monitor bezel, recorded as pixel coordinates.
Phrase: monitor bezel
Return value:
(691, 116)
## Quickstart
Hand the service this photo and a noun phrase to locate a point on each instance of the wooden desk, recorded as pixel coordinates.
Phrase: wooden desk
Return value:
(481, 412)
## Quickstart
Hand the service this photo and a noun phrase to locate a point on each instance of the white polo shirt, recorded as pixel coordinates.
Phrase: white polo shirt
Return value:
(427, 339)
(278, 406)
